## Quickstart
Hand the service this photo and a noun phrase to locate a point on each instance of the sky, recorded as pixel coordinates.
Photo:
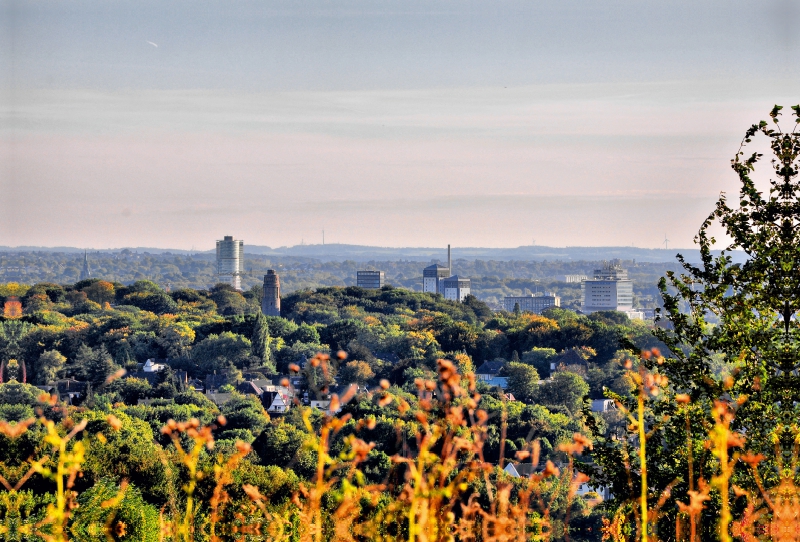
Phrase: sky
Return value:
(392, 123)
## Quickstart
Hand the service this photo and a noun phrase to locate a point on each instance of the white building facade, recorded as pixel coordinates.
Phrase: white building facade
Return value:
(456, 288)
(609, 290)
(230, 261)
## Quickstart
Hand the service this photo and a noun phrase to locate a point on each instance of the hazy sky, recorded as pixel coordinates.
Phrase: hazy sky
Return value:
(496, 123)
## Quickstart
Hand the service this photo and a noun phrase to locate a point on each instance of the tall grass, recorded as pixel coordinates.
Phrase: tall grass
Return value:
(443, 489)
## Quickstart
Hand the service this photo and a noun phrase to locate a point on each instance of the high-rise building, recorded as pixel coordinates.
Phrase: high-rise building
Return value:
(532, 303)
(433, 275)
(456, 288)
(369, 279)
(85, 271)
(230, 261)
(271, 300)
(609, 290)
(438, 279)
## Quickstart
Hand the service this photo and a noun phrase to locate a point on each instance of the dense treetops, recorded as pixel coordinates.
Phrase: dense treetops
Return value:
(92, 330)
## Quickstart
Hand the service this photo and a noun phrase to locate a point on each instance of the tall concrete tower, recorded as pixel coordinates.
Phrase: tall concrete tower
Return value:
(230, 261)
(271, 302)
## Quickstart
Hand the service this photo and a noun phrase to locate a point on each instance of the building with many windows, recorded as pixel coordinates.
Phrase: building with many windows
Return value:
(432, 277)
(230, 261)
(572, 278)
(437, 279)
(535, 303)
(609, 290)
(370, 279)
(456, 288)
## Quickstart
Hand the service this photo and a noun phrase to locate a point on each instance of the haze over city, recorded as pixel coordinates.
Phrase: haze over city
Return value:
(383, 123)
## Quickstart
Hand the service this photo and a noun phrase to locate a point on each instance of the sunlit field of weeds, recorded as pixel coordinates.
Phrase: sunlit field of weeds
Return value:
(702, 455)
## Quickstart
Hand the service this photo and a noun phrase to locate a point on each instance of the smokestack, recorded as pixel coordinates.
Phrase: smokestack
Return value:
(449, 263)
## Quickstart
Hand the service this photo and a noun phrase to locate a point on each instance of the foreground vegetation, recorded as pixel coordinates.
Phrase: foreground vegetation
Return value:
(703, 444)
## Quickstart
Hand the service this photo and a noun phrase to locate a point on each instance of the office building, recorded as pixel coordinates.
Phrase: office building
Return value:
(437, 279)
(271, 300)
(532, 303)
(609, 290)
(433, 275)
(230, 261)
(456, 288)
(369, 279)
(572, 278)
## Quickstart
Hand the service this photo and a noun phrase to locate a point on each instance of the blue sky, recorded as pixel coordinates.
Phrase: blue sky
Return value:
(387, 123)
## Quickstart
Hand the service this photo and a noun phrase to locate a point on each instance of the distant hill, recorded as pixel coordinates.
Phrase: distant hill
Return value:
(359, 253)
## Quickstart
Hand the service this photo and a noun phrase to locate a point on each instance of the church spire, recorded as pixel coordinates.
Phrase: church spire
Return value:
(85, 273)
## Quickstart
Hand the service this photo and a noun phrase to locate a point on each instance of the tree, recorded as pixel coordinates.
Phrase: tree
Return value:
(229, 301)
(94, 366)
(540, 358)
(278, 444)
(100, 292)
(47, 366)
(132, 389)
(523, 381)
(358, 372)
(565, 389)
(260, 342)
(743, 313)
(126, 512)
(222, 353)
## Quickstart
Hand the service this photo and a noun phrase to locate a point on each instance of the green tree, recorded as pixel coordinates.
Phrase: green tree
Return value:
(224, 352)
(124, 511)
(565, 389)
(523, 381)
(259, 340)
(540, 358)
(278, 444)
(93, 366)
(47, 366)
(132, 389)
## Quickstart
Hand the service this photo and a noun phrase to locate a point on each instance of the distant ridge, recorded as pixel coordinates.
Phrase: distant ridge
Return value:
(360, 253)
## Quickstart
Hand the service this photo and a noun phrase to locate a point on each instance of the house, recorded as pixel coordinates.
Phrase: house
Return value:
(520, 470)
(219, 398)
(488, 374)
(602, 491)
(280, 404)
(70, 390)
(524, 470)
(489, 369)
(249, 388)
(196, 384)
(325, 406)
(150, 366)
(215, 381)
(603, 405)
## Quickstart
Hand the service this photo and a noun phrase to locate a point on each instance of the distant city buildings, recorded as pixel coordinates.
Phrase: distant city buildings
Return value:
(609, 290)
(230, 261)
(532, 303)
(432, 277)
(456, 288)
(271, 300)
(572, 278)
(370, 279)
(437, 279)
